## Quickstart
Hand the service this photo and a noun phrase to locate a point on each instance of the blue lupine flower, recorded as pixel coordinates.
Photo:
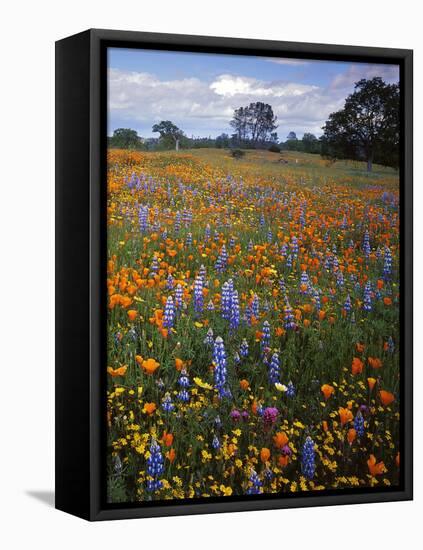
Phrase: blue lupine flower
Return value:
(167, 404)
(269, 236)
(170, 283)
(250, 245)
(255, 306)
(202, 273)
(308, 465)
(234, 317)
(359, 424)
(177, 225)
(366, 244)
(220, 372)
(243, 350)
(294, 246)
(154, 265)
(188, 240)
(222, 260)
(198, 294)
(391, 345)
(207, 233)
(169, 313)
(347, 304)
(290, 390)
(143, 218)
(179, 296)
(210, 305)
(209, 340)
(274, 369)
(155, 467)
(367, 302)
(304, 283)
(256, 486)
(282, 285)
(215, 442)
(184, 383)
(265, 340)
(340, 279)
(316, 299)
(226, 305)
(387, 265)
(289, 317)
(289, 261)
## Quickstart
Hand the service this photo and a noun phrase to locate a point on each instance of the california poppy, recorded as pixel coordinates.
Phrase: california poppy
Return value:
(374, 362)
(386, 397)
(345, 415)
(351, 435)
(327, 391)
(375, 468)
(149, 408)
(150, 365)
(117, 372)
(264, 454)
(357, 366)
(280, 439)
(371, 383)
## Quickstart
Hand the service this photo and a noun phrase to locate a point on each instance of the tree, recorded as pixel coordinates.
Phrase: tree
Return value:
(125, 138)
(169, 132)
(291, 135)
(368, 125)
(310, 143)
(222, 141)
(255, 122)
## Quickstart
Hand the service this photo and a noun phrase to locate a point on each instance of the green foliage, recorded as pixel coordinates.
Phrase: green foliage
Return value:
(274, 148)
(125, 138)
(237, 153)
(368, 127)
(255, 123)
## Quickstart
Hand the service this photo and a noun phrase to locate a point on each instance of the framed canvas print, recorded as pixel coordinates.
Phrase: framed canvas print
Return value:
(234, 274)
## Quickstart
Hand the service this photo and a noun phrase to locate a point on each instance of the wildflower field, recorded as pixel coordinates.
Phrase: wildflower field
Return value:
(253, 325)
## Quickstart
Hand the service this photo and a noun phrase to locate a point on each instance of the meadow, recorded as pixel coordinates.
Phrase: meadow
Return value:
(253, 325)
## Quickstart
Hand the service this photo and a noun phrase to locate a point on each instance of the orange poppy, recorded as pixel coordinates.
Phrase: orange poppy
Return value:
(178, 363)
(357, 366)
(167, 439)
(283, 460)
(371, 382)
(345, 415)
(132, 314)
(374, 362)
(149, 408)
(170, 455)
(280, 439)
(351, 435)
(117, 372)
(397, 459)
(386, 397)
(327, 391)
(325, 425)
(375, 468)
(264, 454)
(150, 365)
(244, 384)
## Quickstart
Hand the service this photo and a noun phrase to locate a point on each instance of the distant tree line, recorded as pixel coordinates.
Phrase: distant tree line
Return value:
(367, 128)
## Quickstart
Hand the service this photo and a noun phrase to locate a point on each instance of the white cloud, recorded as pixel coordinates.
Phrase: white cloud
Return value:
(347, 79)
(229, 86)
(139, 100)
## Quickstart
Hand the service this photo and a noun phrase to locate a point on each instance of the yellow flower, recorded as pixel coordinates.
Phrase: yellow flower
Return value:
(202, 384)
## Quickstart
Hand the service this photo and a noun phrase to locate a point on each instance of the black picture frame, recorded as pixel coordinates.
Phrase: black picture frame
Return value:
(81, 280)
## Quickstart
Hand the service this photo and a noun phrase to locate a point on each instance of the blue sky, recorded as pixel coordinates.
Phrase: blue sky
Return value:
(199, 92)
